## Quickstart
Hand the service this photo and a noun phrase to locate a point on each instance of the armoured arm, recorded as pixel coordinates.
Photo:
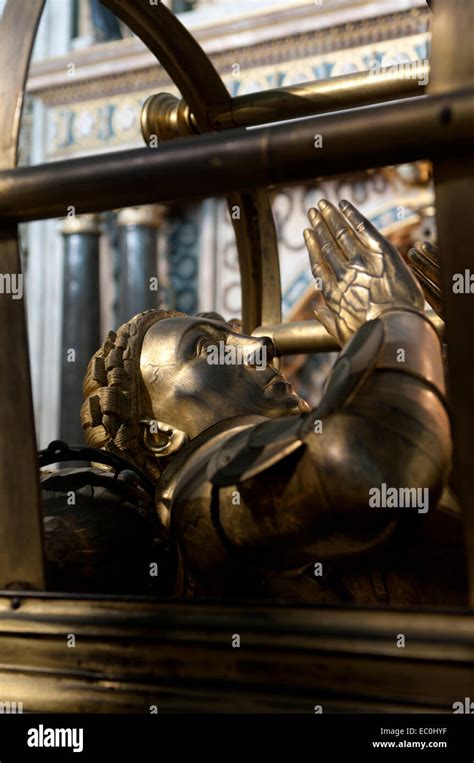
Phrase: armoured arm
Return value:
(385, 425)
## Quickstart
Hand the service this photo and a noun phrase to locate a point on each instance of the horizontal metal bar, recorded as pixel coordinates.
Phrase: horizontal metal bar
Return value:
(298, 337)
(306, 337)
(161, 652)
(324, 95)
(168, 117)
(215, 164)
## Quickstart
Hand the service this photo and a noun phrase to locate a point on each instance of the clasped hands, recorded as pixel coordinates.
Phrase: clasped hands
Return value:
(360, 274)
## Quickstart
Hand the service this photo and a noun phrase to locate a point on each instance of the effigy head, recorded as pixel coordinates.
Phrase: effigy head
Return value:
(164, 377)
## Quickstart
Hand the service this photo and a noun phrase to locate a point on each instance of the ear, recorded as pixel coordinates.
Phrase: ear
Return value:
(161, 439)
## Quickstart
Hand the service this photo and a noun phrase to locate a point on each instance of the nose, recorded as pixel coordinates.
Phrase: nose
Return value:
(270, 347)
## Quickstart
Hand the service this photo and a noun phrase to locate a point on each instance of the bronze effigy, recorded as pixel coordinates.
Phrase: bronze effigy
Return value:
(256, 494)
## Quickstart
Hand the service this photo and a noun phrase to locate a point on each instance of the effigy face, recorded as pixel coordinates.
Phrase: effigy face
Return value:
(198, 372)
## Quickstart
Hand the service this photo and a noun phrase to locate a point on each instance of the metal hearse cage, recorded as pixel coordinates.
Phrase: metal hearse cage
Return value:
(134, 652)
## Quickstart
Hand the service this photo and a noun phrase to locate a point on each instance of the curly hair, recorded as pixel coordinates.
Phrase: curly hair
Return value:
(114, 393)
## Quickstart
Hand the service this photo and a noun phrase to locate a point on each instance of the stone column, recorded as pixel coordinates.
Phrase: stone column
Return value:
(81, 317)
(183, 243)
(138, 277)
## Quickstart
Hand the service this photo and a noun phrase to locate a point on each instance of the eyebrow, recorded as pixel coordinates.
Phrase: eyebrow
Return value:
(212, 330)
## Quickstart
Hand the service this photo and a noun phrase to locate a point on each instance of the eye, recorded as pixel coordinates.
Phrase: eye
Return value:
(202, 344)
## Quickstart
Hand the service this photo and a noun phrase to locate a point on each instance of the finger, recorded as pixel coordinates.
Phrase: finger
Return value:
(431, 291)
(431, 251)
(366, 232)
(319, 267)
(424, 263)
(328, 252)
(340, 229)
(326, 317)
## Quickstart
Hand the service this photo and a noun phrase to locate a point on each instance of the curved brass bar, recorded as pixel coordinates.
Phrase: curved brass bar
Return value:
(177, 51)
(17, 33)
(258, 258)
(21, 544)
(203, 90)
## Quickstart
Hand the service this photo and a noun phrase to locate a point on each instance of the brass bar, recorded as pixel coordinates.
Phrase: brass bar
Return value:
(303, 337)
(21, 542)
(259, 264)
(167, 116)
(322, 96)
(214, 164)
(307, 337)
(453, 67)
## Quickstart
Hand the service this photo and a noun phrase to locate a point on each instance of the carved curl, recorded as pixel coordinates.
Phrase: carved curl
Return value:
(113, 392)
